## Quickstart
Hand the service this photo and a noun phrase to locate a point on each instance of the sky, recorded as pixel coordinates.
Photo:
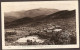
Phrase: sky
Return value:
(19, 6)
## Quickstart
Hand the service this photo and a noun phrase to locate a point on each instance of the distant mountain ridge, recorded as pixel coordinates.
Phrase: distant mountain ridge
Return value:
(64, 14)
(12, 16)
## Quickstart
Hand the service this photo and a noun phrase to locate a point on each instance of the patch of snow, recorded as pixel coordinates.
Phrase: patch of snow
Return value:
(9, 30)
(52, 27)
(57, 26)
(32, 38)
(45, 28)
(57, 30)
(49, 30)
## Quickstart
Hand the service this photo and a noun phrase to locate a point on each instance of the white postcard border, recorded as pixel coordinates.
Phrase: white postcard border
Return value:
(41, 46)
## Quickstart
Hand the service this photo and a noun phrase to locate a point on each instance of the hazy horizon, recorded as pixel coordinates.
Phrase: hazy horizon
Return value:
(20, 6)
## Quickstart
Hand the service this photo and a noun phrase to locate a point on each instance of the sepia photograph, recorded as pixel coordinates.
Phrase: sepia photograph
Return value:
(40, 24)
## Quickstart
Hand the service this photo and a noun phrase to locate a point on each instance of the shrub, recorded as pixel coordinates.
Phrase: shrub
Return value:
(66, 38)
(10, 33)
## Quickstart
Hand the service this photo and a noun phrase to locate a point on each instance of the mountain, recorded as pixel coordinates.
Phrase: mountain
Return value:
(63, 18)
(64, 14)
(12, 16)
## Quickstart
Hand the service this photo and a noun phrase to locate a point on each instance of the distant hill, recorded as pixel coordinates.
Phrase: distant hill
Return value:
(11, 16)
(64, 14)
